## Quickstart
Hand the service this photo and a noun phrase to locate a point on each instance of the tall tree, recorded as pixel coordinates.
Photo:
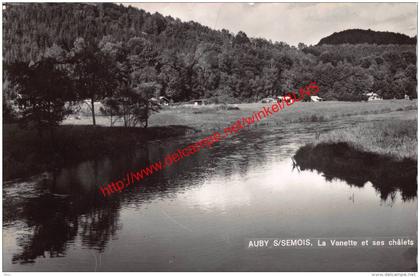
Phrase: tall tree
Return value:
(94, 73)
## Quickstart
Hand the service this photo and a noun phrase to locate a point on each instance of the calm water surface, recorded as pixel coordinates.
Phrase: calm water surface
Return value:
(198, 214)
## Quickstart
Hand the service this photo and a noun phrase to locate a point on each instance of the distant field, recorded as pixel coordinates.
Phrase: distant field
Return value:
(211, 117)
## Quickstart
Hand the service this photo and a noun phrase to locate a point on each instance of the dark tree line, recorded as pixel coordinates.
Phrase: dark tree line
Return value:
(357, 36)
(121, 55)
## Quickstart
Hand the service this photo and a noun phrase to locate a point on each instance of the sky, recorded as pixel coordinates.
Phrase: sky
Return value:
(293, 22)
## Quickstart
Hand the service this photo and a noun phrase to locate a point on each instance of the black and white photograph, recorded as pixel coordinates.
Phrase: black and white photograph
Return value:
(210, 137)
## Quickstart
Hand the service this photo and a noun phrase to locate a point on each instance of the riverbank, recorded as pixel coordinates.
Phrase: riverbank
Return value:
(393, 138)
(381, 152)
(26, 153)
(341, 160)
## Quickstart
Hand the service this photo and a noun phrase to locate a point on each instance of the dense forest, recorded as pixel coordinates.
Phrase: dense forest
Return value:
(357, 36)
(186, 60)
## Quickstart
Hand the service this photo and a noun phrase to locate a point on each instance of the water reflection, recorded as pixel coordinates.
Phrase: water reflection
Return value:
(65, 204)
(52, 220)
(341, 161)
(195, 214)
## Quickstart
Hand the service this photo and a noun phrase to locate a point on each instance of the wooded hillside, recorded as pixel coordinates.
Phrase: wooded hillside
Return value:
(186, 60)
(357, 36)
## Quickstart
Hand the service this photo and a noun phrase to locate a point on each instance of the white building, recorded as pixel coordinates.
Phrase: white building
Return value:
(316, 99)
(373, 96)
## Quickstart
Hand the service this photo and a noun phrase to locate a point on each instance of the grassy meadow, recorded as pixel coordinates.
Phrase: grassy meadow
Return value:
(214, 117)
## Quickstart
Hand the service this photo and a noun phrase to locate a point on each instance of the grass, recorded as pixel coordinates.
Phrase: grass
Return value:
(207, 118)
(394, 138)
(216, 117)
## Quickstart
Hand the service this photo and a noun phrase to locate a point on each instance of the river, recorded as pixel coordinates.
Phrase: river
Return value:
(198, 215)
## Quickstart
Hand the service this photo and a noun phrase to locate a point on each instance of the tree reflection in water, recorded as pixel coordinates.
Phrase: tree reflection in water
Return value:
(339, 160)
(67, 206)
